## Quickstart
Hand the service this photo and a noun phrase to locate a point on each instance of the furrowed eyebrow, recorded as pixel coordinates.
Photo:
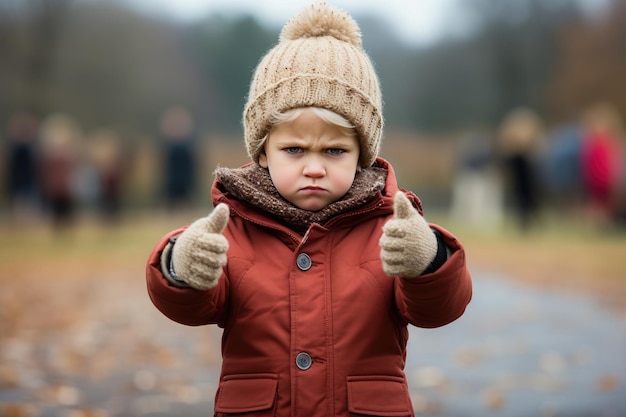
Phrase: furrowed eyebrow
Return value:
(338, 142)
(290, 144)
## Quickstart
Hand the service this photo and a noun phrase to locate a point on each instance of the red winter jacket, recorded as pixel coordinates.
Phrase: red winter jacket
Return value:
(312, 324)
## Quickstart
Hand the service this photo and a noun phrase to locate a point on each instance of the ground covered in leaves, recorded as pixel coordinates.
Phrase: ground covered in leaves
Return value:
(80, 338)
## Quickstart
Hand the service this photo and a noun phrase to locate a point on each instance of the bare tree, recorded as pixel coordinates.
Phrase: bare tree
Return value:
(32, 29)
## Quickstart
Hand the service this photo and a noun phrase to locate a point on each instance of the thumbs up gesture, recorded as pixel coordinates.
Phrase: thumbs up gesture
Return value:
(200, 251)
(408, 245)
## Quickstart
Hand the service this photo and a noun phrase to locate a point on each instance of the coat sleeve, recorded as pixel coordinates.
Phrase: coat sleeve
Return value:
(183, 305)
(438, 298)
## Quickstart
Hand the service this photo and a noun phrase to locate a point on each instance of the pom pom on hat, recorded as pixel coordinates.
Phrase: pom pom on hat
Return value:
(321, 20)
(319, 61)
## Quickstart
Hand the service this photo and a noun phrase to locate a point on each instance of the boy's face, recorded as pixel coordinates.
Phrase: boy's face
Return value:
(312, 163)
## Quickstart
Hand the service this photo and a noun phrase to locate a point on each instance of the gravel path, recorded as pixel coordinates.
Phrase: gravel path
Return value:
(520, 352)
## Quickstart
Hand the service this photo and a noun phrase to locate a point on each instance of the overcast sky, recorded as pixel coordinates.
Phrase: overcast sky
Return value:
(417, 21)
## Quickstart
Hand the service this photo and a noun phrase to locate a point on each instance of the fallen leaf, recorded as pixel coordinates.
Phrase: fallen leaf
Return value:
(493, 398)
(18, 410)
(607, 383)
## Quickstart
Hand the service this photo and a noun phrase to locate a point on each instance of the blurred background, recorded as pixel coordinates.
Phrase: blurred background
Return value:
(505, 116)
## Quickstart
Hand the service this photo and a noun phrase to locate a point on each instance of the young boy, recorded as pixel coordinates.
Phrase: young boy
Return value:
(314, 261)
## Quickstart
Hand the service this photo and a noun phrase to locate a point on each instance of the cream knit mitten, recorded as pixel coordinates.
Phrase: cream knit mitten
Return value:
(200, 251)
(408, 245)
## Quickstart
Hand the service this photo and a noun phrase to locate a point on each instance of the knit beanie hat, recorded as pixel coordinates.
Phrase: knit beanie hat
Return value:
(319, 61)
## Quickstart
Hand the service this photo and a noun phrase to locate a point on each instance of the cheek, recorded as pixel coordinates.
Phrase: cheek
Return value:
(343, 180)
(283, 177)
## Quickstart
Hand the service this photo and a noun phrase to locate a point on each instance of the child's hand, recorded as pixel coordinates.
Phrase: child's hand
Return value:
(200, 251)
(408, 245)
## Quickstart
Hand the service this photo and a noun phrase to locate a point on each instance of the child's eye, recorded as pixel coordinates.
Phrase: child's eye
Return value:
(335, 151)
(293, 150)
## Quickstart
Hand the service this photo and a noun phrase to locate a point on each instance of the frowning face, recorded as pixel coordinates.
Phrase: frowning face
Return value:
(312, 163)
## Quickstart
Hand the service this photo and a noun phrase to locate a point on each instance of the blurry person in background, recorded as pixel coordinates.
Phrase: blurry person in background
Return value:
(21, 165)
(105, 156)
(58, 165)
(561, 169)
(177, 131)
(602, 163)
(477, 191)
(520, 141)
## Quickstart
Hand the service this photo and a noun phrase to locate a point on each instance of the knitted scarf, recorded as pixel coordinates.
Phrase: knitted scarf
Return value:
(253, 185)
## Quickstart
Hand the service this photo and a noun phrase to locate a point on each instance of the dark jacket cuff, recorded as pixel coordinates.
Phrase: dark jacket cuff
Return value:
(440, 258)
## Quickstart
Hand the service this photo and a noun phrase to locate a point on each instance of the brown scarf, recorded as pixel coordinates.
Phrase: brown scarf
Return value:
(254, 185)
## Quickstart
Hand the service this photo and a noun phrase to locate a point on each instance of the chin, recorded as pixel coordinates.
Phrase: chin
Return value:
(312, 205)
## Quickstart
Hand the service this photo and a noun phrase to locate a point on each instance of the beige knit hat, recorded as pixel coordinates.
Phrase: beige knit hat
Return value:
(319, 61)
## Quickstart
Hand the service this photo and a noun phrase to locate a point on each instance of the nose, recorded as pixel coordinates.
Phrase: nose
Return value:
(314, 167)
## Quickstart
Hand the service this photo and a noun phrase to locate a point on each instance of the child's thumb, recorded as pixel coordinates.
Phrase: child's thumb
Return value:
(402, 207)
(218, 219)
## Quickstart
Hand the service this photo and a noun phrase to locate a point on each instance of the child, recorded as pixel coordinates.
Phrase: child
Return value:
(314, 261)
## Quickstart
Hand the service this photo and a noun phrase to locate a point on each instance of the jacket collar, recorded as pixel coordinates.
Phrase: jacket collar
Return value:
(249, 189)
